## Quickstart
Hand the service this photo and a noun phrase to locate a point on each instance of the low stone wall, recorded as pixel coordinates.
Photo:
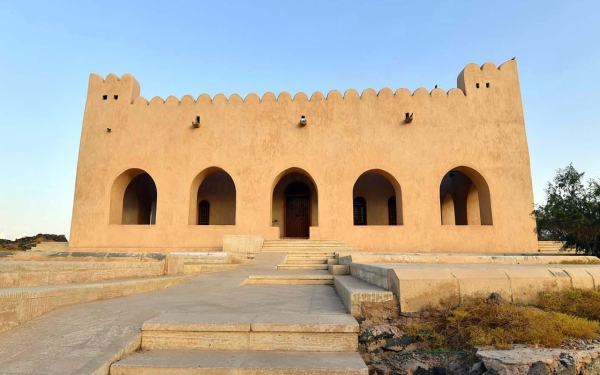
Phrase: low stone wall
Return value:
(18, 274)
(421, 285)
(355, 292)
(80, 256)
(242, 245)
(345, 257)
(19, 305)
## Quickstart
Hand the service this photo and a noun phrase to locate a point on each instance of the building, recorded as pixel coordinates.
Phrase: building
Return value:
(382, 171)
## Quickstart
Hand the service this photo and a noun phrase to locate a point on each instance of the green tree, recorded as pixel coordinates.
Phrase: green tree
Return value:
(571, 213)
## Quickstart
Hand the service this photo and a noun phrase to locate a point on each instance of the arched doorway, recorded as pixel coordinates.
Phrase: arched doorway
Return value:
(465, 198)
(213, 198)
(377, 199)
(133, 199)
(294, 207)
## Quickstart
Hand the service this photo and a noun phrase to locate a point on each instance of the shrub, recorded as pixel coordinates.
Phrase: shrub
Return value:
(574, 301)
(480, 321)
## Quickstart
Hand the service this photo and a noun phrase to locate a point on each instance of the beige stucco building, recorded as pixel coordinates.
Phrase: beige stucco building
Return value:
(383, 171)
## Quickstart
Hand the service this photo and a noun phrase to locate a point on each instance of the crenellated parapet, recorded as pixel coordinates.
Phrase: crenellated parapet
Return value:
(472, 79)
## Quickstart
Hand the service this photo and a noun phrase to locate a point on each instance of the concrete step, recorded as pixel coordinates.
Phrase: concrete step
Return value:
(297, 251)
(307, 266)
(193, 362)
(50, 246)
(19, 305)
(354, 292)
(257, 332)
(208, 268)
(289, 280)
(306, 261)
(20, 274)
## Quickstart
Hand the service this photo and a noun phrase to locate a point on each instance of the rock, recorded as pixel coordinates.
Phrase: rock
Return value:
(478, 369)
(398, 343)
(376, 332)
(592, 369)
(437, 370)
(378, 369)
(538, 368)
(566, 365)
(491, 372)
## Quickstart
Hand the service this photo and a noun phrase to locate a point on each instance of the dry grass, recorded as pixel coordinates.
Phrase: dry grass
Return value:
(483, 322)
(583, 261)
(573, 301)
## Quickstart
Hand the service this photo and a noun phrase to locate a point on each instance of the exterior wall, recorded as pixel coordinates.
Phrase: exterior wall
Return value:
(254, 140)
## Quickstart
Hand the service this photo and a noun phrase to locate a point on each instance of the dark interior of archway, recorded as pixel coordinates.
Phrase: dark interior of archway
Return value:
(219, 193)
(377, 204)
(139, 201)
(457, 185)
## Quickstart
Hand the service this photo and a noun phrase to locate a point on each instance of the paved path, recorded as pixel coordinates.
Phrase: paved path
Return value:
(82, 339)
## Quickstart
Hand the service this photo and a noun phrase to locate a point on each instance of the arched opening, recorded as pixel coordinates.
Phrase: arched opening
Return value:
(360, 211)
(294, 207)
(133, 199)
(213, 198)
(465, 198)
(377, 199)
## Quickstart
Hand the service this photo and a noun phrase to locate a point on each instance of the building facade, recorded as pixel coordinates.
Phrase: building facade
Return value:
(382, 171)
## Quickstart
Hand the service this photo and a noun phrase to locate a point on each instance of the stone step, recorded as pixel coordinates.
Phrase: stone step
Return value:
(257, 332)
(306, 261)
(307, 266)
(19, 305)
(297, 251)
(21, 274)
(190, 362)
(305, 246)
(289, 280)
(354, 292)
(208, 268)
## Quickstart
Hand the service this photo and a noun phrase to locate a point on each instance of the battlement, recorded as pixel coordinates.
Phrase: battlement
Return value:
(472, 79)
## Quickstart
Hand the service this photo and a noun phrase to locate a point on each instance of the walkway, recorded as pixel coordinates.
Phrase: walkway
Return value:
(82, 339)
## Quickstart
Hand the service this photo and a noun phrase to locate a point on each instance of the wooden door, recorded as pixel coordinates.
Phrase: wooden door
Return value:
(297, 216)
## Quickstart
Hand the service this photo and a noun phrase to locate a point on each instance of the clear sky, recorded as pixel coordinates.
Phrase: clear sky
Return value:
(48, 49)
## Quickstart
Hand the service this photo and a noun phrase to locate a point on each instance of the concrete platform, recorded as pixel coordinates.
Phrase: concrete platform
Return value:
(240, 363)
(264, 322)
(420, 285)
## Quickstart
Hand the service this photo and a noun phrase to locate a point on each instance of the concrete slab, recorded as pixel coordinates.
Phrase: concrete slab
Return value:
(240, 363)
(268, 341)
(354, 292)
(482, 281)
(304, 323)
(200, 322)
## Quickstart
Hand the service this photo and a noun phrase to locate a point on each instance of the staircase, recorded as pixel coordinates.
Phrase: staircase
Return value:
(306, 254)
(50, 246)
(246, 344)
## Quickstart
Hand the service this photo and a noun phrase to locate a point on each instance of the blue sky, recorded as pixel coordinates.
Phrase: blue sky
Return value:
(48, 49)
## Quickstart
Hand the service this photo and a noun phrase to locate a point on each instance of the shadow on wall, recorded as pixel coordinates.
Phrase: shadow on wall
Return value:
(465, 198)
(212, 198)
(133, 199)
(377, 199)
